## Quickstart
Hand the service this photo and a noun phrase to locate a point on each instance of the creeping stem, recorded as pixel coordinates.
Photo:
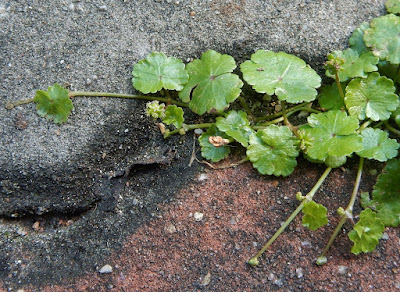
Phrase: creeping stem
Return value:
(391, 129)
(348, 213)
(188, 128)
(12, 105)
(72, 94)
(121, 95)
(246, 107)
(339, 85)
(294, 108)
(254, 260)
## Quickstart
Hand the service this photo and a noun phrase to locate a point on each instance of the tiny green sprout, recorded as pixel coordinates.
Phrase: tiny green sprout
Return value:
(299, 196)
(322, 260)
(155, 110)
(182, 131)
(306, 140)
(341, 211)
(334, 65)
(253, 262)
(167, 133)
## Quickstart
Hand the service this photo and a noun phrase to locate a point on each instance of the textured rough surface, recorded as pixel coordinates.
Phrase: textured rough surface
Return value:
(66, 185)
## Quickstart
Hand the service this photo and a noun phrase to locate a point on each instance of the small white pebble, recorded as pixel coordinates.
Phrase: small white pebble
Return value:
(170, 228)
(342, 270)
(198, 131)
(271, 276)
(299, 273)
(306, 243)
(106, 269)
(198, 216)
(385, 236)
(71, 7)
(206, 279)
(278, 282)
(103, 8)
(202, 177)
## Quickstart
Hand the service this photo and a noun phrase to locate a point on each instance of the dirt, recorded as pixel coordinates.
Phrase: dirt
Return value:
(241, 210)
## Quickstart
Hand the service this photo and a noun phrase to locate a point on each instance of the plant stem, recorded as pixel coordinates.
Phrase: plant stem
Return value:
(280, 119)
(339, 85)
(294, 108)
(254, 260)
(285, 119)
(391, 129)
(266, 124)
(348, 213)
(72, 94)
(246, 107)
(364, 125)
(122, 95)
(12, 105)
(188, 128)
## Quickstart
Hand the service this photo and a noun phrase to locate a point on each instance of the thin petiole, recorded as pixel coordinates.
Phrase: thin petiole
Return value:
(12, 105)
(339, 85)
(279, 114)
(188, 128)
(73, 94)
(254, 260)
(246, 107)
(122, 95)
(392, 129)
(286, 120)
(348, 213)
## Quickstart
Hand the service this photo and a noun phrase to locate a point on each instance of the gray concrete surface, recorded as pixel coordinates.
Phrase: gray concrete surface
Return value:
(53, 170)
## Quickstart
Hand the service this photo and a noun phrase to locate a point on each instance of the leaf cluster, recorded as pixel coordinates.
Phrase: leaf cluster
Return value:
(351, 116)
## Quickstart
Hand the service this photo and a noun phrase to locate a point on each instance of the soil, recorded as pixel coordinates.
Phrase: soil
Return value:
(175, 251)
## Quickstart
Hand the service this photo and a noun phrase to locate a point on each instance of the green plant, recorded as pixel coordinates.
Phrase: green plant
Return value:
(350, 117)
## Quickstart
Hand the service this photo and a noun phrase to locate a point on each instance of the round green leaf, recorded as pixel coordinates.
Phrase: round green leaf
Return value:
(287, 76)
(335, 161)
(54, 103)
(366, 233)
(158, 72)
(396, 116)
(211, 85)
(273, 150)
(329, 97)
(386, 194)
(393, 6)
(377, 145)
(236, 125)
(333, 133)
(208, 150)
(356, 40)
(383, 37)
(352, 64)
(372, 97)
(314, 215)
(173, 115)
(389, 70)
